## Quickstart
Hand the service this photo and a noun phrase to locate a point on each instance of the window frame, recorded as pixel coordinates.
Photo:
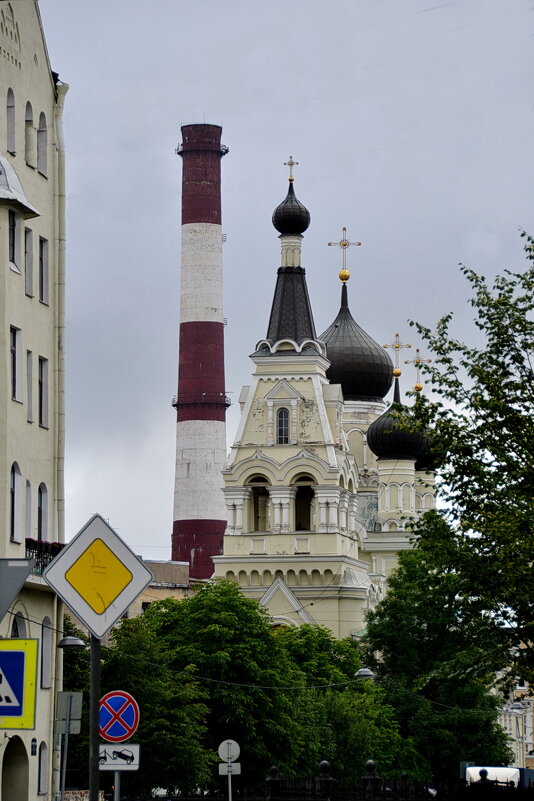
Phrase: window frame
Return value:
(44, 271)
(283, 428)
(42, 392)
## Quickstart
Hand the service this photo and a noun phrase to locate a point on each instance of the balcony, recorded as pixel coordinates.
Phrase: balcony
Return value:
(43, 553)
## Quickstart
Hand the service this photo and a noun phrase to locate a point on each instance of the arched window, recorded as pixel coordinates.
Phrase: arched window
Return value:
(10, 121)
(303, 503)
(28, 530)
(46, 653)
(42, 776)
(30, 143)
(15, 504)
(259, 503)
(42, 145)
(282, 426)
(42, 512)
(18, 627)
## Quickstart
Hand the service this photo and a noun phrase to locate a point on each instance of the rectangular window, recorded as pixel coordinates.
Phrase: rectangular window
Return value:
(29, 386)
(28, 262)
(43, 270)
(15, 365)
(43, 392)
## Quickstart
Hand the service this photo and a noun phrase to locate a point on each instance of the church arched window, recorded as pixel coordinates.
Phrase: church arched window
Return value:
(282, 426)
(304, 496)
(259, 502)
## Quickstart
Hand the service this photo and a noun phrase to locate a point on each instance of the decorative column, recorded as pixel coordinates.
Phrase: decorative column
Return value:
(281, 499)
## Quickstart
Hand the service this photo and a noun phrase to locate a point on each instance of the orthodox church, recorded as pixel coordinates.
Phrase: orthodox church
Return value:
(320, 484)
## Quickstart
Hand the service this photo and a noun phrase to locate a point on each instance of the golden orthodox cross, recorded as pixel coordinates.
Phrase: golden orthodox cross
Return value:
(291, 164)
(417, 361)
(397, 346)
(344, 244)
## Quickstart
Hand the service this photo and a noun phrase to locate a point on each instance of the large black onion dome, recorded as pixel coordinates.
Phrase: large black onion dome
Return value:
(389, 440)
(357, 362)
(291, 217)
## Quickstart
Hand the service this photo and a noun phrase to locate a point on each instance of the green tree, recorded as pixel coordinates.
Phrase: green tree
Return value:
(252, 689)
(483, 434)
(173, 708)
(357, 722)
(434, 666)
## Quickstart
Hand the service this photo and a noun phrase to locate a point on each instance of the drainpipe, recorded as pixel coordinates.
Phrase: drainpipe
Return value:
(62, 89)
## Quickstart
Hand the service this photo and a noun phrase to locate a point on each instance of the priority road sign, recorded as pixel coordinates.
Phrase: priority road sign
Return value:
(98, 576)
(18, 680)
(118, 716)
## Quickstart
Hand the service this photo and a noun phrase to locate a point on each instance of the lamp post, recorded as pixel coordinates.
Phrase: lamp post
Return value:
(94, 704)
(67, 642)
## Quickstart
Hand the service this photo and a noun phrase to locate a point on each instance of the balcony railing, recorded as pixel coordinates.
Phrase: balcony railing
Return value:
(201, 399)
(43, 553)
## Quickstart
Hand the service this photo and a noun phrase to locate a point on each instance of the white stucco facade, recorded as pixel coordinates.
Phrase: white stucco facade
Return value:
(32, 263)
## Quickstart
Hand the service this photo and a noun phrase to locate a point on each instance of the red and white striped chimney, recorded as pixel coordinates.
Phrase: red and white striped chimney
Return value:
(199, 507)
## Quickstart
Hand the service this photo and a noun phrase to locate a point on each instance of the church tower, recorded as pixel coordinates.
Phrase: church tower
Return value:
(199, 508)
(306, 536)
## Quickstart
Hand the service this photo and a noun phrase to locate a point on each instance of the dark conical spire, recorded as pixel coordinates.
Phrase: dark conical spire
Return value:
(357, 362)
(291, 313)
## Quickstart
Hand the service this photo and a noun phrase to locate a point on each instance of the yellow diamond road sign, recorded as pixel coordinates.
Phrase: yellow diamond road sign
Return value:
(98, 576)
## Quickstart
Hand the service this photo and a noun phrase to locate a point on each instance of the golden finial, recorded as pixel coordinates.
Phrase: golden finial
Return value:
(344, 244)
(291, 164)
(397, 346)
(417, 361)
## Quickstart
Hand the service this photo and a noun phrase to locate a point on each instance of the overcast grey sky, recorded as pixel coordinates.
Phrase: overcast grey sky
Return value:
(412, 122)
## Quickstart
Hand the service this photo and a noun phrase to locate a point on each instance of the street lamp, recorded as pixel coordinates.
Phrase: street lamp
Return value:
(364, 673)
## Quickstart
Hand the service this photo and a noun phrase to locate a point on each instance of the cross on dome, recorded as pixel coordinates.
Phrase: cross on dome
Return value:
(397, 346)
(344, 244)
(291, 164)
(417, 361)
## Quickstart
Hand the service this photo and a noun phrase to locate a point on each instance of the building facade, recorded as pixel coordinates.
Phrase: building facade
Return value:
(32, 248)
(315, 517)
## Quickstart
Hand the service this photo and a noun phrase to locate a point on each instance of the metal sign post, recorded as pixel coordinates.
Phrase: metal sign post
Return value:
(229, 750)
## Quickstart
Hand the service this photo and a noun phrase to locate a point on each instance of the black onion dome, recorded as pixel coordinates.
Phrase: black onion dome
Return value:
(389, 440)
(357, 362)
(291, 217)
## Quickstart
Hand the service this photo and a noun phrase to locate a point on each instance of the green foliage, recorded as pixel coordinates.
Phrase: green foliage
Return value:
(483, 432)
(357, 722)
(172, 723)
(434, 665)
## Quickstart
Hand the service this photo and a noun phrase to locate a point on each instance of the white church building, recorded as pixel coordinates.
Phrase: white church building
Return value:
(320, 491)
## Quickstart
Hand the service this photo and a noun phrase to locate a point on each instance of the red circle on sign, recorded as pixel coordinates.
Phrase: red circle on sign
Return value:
(118, 716)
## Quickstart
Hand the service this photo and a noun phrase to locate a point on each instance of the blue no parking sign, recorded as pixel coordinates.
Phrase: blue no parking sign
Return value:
(118, 716)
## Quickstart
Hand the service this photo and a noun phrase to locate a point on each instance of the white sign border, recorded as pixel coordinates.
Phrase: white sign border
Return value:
(54, 575)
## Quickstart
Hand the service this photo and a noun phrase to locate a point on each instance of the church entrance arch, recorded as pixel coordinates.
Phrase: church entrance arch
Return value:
(15, 771)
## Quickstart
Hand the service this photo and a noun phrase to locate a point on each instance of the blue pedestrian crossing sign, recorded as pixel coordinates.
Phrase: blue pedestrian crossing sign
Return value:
(18, 680)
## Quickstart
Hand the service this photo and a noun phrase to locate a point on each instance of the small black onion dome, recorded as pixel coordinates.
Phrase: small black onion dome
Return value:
(357, 362)
(291, 217)
(388, 440)
(429, 459)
